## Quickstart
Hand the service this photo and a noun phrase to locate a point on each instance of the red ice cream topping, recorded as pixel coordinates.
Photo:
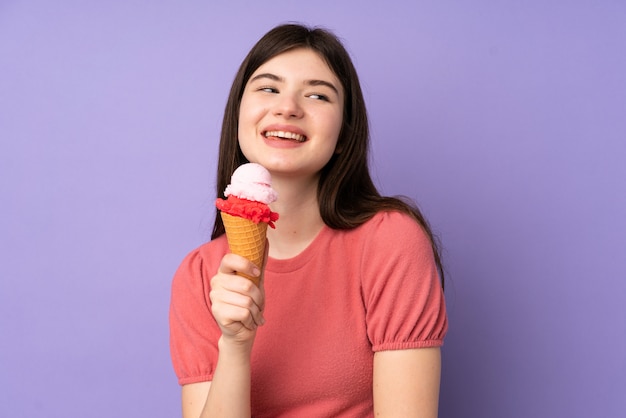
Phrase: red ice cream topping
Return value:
(248, 209)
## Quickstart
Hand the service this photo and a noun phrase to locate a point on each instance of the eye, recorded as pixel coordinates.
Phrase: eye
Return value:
(318, 97)
(268, 89)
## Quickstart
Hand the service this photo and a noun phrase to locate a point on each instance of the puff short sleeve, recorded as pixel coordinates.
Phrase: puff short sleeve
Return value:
(193, 330)
(402, 293)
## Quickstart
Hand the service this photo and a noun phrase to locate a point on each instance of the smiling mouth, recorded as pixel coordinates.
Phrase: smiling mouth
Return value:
(282, 135)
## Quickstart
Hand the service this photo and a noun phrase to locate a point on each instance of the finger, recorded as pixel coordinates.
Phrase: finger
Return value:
(239, 292)
(256, 293)
(246, 301)
(233, 314)
(228, 315)
(236, 283)
(233, 263)
(253, 299)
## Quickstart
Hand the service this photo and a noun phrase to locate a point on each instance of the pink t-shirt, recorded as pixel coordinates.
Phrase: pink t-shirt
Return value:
(349, 294)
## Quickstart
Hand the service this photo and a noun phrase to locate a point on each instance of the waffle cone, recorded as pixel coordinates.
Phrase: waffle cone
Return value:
(247, 239)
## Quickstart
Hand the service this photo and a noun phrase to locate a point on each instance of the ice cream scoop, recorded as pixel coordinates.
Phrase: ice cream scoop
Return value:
(252, 181)
(249, 194)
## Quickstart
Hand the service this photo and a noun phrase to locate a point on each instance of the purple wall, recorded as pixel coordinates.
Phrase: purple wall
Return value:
(505, 121)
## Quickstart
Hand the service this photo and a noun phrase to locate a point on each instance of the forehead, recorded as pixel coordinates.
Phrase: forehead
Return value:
(301, 63)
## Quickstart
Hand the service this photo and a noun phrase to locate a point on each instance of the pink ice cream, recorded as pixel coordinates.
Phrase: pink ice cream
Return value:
(249, 194)
(252, 181)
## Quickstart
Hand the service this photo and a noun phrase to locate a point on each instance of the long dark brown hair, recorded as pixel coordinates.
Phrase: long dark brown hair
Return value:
(346, 193)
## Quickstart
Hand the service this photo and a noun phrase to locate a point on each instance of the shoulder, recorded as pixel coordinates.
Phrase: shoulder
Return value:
(203, 261)
(209, 251)
(393, 230)
(393, 242)
(212, 250)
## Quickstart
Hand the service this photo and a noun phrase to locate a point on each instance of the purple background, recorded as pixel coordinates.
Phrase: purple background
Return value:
(504, 119)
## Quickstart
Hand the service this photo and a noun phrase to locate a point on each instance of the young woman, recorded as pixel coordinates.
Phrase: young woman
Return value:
(350, 314)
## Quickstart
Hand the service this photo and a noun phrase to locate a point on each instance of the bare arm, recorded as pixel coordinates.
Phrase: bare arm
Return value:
(194, 398)
(406, 383)
(237, 305)
(228, 395)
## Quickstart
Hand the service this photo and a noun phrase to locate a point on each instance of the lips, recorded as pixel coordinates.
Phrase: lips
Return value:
(285, 135)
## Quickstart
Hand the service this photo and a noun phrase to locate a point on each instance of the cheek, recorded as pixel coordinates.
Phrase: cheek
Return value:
(243, 111)
(250, 113)
(246, 119)
(330, 121)
(339, 123)
(335, 125)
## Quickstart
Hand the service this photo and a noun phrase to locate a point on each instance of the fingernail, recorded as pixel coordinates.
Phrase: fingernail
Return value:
(256, 272)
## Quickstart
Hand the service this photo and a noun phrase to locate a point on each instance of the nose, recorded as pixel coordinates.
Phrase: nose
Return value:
(288, 107)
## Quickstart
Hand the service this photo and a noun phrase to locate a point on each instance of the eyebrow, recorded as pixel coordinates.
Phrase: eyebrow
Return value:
(274, 77)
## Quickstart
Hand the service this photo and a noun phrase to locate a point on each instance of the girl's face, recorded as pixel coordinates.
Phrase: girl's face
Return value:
(291, 114)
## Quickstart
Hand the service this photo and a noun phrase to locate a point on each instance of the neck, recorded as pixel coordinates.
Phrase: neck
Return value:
(300, 219)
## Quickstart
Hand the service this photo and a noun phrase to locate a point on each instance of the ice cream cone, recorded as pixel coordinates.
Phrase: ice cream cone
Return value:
(247, 239)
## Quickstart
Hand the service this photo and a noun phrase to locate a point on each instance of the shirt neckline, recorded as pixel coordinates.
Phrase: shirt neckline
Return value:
(288, 265)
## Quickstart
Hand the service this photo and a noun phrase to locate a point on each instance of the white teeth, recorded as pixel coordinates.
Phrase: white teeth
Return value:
(286, 135)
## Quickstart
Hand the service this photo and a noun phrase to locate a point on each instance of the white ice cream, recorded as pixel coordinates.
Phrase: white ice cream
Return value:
(252, 181)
